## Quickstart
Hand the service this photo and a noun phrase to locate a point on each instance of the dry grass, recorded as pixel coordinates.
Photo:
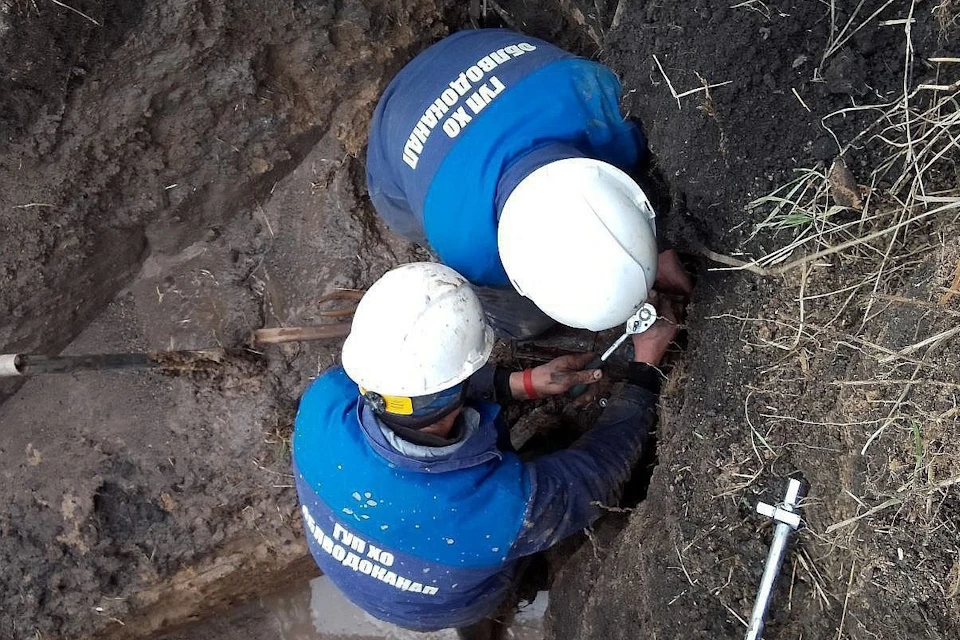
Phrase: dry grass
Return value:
(77, 11)
(840, 34)
(757, 6)
(704, 85)
(948, 15)
(866, 341)
(920, 134)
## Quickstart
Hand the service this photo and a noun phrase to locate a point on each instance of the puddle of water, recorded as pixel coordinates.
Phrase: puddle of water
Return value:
(317, 611)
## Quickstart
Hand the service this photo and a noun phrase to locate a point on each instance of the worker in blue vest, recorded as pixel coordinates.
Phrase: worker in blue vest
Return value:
(506, 156)
(413, 502)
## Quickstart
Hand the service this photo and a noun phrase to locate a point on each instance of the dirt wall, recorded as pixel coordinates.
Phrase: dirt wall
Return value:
(194, 178)
(174, 119)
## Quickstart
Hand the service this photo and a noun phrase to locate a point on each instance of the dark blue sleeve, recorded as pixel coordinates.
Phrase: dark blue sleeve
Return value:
(490, 383)
(569, 486)
(481, 384)
(383, 184)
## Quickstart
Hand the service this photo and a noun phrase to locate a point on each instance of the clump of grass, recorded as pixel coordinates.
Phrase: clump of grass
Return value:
(841, 34)
(799, 202)
(860, 309)
(804, 207)
(918, 138)
(948, 15)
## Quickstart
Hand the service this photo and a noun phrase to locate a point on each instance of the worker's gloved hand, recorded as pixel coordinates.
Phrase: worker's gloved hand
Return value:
(651, 345)
(556, 376)
(672, 278)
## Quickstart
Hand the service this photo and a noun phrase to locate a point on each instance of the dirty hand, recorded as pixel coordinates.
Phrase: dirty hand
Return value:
(556, 377)
(672, 278)
(651, 345)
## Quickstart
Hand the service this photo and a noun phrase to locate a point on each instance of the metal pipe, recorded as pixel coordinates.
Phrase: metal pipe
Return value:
(31, 365)
(24, 365)
(9, 365)
(787, 521)
(770, 573)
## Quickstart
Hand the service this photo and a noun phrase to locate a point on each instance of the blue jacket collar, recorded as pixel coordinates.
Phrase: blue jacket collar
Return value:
(479, 447)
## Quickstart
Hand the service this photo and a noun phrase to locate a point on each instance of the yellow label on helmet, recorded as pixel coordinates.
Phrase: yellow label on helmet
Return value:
(398, 404)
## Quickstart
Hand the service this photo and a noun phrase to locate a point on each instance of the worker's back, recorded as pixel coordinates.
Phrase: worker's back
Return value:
(422, 544)
(468, 119)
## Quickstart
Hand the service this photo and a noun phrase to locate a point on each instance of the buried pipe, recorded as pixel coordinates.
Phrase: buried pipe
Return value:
(14, 365)
(22, 365)
(25, 365)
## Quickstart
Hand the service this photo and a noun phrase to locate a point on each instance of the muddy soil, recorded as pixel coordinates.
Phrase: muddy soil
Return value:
(140, 129)
(175, 176)
(179, 173)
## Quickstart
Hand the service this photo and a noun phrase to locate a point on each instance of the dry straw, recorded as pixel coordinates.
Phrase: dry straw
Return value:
(895, 409)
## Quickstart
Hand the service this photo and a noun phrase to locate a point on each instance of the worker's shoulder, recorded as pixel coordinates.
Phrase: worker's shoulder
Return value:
(333, 377)
(332, 388)
(480, 38)
(472, 47)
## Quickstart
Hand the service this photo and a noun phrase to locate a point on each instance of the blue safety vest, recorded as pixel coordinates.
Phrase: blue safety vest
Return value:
(421, 544)
(464, 122)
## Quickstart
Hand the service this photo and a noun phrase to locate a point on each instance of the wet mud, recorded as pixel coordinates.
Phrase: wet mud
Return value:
(179, 174)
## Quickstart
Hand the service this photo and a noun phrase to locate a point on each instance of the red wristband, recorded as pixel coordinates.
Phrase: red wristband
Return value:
(528, 384)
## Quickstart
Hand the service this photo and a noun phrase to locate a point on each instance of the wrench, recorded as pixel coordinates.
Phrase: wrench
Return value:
(642, 319)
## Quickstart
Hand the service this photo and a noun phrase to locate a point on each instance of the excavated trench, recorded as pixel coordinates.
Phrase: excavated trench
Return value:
(179, 173)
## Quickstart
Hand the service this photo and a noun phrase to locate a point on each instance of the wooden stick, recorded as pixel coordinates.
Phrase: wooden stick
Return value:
(343, 294)
(280, 335)
(728, 260)
(617, 15)
(339, 313)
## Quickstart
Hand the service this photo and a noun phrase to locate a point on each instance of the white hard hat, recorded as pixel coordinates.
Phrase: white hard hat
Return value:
(419, 329)
(577, 236)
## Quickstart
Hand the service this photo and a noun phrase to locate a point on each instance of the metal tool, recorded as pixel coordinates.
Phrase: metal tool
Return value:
(787, 518)
(642, 319)
(24, 365)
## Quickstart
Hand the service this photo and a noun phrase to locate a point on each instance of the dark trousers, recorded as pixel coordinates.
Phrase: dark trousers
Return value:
(512, 316)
